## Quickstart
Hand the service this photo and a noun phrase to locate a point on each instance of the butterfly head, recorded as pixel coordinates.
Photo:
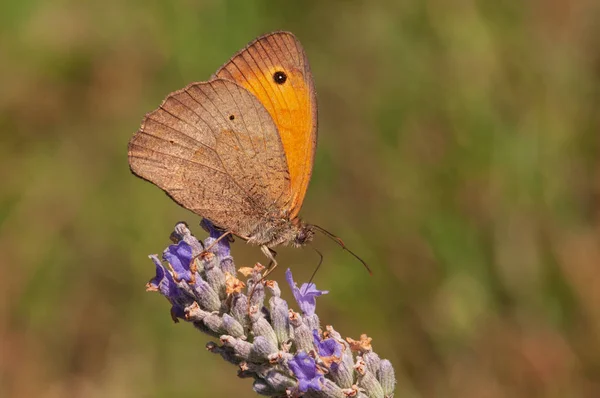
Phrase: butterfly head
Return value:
(304, 234)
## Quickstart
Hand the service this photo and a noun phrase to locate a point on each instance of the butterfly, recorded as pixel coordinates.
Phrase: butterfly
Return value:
(239, 148)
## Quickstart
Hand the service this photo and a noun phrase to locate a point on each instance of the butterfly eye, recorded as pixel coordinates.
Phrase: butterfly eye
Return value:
(279, 77)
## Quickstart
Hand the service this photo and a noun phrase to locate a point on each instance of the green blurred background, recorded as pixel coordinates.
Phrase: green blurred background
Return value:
(458, 154)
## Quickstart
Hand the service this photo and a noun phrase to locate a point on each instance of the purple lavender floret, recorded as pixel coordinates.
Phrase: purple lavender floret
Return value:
(222, 248)
(305, 369)
(327, 347)
(306, 295)
(179, 256)
(285, 352)
(163, 282)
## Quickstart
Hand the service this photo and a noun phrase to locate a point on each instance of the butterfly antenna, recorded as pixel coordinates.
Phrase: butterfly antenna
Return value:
(318, 265)
(341, 243)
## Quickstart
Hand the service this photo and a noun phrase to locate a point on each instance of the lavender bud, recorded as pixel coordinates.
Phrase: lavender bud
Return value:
(261, 349)
(182, 232)
(206, 296)
(215, 323)
(205, 329)
(240, 347)
(372, 360)
(386, 377)
(225, 352)
(194, 313)
(232, 326)
(239, 309)
(261, 387)
(257, 290)
(279, 313)
(212, 321)
(367, 380)
(227, 265)
(331, 390)
(279, 381)
(215, 278)
(302, 334)
(343, 372)
(261, 327)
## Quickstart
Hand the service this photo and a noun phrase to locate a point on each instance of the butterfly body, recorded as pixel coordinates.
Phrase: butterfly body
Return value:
(281, 231)
(238, 149)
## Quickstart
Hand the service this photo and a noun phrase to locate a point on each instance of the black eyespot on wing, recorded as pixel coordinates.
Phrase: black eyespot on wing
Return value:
(279, 77)
(231, 117)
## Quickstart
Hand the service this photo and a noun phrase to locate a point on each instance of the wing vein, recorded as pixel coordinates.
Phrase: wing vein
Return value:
(175, 130)
(178, 158)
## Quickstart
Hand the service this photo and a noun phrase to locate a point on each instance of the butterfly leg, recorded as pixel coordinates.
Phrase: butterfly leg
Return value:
(225, 235)
(203, 253)
(270, 253)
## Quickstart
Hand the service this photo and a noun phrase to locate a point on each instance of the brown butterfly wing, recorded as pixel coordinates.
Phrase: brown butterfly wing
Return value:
(292, 104)
(215, 150)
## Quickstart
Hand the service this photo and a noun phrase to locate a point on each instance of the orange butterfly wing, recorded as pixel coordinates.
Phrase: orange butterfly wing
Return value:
(275, 69)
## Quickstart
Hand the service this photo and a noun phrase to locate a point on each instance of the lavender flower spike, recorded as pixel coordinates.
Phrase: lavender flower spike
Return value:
(284, 352)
